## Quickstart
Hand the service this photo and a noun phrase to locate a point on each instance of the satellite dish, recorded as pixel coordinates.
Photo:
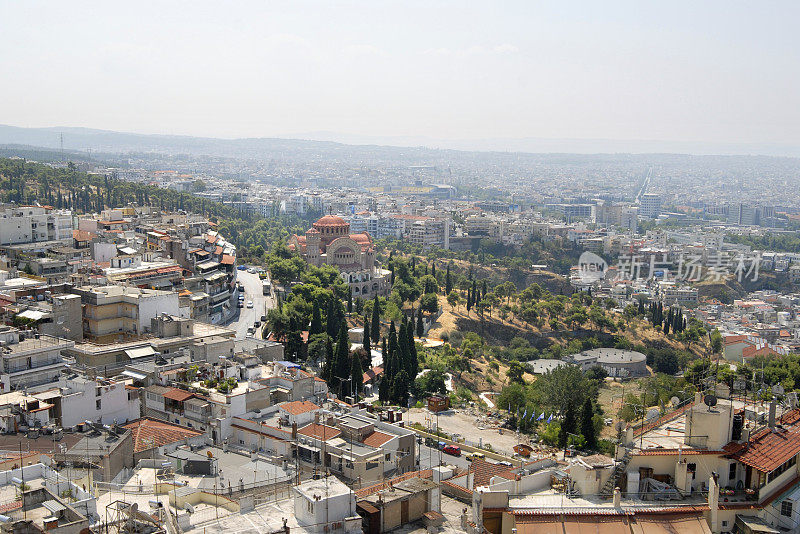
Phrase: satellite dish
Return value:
(710, 400)
(777, 389)
(738, 385)
(674, 401)
(620, 426)
(652, 413)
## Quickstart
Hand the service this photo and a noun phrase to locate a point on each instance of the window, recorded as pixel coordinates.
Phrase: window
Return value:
(692, 468)
(97, 404)
(732, 472)
(786, 508)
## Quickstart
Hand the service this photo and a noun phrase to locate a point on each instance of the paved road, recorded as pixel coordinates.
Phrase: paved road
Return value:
(430, 457)
(252, 291)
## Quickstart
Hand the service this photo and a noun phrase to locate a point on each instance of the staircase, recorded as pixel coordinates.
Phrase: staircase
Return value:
(611, 483)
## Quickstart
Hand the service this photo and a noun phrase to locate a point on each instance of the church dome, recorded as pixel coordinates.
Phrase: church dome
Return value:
(330, 220)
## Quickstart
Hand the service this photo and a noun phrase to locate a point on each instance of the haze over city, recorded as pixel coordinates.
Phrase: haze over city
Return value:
(708, 77)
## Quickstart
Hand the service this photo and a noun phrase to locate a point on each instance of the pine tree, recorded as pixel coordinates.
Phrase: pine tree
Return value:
(587, 425)
(376, 320)
(316, 322)
(365, 341)
(448, 282)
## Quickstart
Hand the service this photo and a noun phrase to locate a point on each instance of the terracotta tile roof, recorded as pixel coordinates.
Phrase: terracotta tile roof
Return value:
(371, 374)
(376, 439)
(82, 235)
(227, 259)
(318, 431)
(298, 407)
(768, 449)
(176, 394)
(148, 433)
(484, 471)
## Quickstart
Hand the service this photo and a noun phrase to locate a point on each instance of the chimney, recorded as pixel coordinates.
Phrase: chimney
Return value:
(772, 415)
(316, 418)
(294, 430)
(617, 498)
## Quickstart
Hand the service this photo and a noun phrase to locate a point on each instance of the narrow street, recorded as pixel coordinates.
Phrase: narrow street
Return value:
(261, 303)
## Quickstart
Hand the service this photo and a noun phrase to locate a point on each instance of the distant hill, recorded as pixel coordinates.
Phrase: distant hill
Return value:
(366, 148)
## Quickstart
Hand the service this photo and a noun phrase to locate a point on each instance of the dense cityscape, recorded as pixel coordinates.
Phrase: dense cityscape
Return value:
(413, 267)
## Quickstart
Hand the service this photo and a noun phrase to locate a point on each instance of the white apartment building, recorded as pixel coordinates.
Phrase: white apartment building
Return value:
(430, 233)
(650, 206)
(78, 399)
(29, 361)
(33, 224)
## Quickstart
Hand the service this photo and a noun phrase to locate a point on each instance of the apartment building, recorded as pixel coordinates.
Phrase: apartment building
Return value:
(650, 206)
(76, 399)
(428, 233)
(34, 224)
(28, 362)
(113, 313)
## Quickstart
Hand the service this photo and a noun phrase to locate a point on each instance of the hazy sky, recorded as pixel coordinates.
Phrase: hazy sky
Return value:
(704, 71)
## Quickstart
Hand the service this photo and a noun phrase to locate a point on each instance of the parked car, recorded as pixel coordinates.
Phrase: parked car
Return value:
(263, 318)
(242, 267)
(249, 303)
(240, 304)
(452, 450)
(257, 324)
(506, 463)
(441, 445)
(252, 270)
(476, 455)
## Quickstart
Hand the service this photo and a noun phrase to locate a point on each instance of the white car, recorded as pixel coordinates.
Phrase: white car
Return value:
(249, 303)
(252, 270)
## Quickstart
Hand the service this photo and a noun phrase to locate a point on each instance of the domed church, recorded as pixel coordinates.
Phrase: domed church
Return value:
(330, 242)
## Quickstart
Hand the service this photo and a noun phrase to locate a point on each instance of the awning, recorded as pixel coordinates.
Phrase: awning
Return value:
(596, 525)
(32, 315)
(141, 352)
(134, 374)
(539, 525)
(669, 524)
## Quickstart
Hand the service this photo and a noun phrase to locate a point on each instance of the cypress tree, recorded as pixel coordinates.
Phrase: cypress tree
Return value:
(331, 327)
(413, 361)
(399, 390)
(357, 374)
(448, 282)
(404, 353)
(420, 325)
(587, 425)
(376, 321)
(365, 340)
(568, 426)
(433, 269)
(349, 300)
(316, 322)
(327, 369)
(342, 358)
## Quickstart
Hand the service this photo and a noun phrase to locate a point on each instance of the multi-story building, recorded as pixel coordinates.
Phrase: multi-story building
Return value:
(34, 224)
(650, 206)
(30, 361)
(113, 313)
(430, 233)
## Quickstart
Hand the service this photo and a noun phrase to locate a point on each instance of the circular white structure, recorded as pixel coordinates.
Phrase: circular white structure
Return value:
(615, 362)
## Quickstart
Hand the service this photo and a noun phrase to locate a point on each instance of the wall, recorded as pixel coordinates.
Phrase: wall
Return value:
(82, 405)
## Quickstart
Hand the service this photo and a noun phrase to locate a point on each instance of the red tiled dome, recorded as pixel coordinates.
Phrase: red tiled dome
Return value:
(330, 220)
